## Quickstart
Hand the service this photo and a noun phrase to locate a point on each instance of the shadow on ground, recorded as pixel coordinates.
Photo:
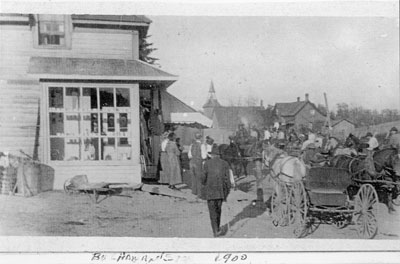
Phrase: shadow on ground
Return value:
(253, 210)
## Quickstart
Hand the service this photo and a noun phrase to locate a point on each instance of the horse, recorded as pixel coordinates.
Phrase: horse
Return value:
(282, 166)
(286, 171)
(234, 156)
(387, 161)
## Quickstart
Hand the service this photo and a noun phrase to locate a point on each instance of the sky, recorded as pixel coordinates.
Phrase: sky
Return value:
(354, 60)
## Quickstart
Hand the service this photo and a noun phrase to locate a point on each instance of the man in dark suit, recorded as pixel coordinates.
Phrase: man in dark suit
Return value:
(217, 185)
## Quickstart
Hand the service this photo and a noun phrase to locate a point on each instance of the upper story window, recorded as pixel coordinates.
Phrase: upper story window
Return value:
(53, 31)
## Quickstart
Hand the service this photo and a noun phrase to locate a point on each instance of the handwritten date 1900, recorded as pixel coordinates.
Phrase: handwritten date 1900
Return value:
(230, 258)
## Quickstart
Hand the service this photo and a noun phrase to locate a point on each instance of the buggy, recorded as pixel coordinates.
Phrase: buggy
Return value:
(323, 198)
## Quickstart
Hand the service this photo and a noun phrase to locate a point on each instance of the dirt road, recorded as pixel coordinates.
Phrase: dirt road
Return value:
(144, 215)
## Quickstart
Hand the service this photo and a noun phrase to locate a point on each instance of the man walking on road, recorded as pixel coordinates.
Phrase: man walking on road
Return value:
(217, 185)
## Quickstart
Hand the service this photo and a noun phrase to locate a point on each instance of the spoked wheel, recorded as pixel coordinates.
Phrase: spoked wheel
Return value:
(366, 211)
(298, 208)
(279, 207)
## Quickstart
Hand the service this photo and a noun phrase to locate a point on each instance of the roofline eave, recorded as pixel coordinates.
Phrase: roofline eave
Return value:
(102, 77)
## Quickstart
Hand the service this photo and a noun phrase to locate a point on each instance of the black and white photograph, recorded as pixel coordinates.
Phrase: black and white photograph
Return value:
(271, 125)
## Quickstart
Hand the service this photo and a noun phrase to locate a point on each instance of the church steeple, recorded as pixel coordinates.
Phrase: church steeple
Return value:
(211, 103)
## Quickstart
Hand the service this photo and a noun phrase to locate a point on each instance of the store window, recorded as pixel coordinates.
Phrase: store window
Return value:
(89, 123)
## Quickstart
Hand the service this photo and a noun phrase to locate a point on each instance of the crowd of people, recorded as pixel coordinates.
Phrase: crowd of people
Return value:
(210, 175)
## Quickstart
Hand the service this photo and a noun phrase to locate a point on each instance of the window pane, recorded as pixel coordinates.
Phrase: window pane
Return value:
(94, 124)
(123, 122)
(72, 98)
(89, 124)
(90, 149)
(72, 149)
(106, 98)
(122, 97)
(108, 149)
(89, 98)
(72, 124)
(124, 149)
(107, 124)
(51, 33)
(56, 97)
(56, 124)
(56, 148)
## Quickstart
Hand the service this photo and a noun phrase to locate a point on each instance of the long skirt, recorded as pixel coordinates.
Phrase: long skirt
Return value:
(165, 170)
(175, 176)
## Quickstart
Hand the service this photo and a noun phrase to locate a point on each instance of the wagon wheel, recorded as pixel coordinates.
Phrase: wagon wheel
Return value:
(279, 205)
(298, 209)
(366, 211)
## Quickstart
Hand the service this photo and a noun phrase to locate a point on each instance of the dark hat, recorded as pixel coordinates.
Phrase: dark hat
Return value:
(215, 150)
(393, 129)
(369, 134)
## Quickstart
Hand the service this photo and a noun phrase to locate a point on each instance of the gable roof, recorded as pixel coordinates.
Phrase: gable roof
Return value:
(229, 117)
(335, 122)
(289, 109)
(292, 109)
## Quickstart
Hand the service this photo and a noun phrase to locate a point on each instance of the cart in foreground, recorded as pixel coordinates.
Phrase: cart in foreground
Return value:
(323, 198)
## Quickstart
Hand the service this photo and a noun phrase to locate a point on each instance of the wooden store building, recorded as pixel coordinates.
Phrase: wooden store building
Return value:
(76, 97)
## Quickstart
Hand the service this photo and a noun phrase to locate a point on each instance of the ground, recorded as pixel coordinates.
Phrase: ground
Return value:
(56, 213)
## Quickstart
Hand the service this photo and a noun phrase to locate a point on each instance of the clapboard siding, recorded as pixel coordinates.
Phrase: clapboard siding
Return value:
(10, 144)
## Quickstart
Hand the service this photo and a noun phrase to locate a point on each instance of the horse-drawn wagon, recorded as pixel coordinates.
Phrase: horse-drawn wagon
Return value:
(323, 198)
(340, 196)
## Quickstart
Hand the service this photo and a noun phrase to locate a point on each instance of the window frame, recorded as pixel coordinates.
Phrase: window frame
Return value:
(67, 33)
(46, 123)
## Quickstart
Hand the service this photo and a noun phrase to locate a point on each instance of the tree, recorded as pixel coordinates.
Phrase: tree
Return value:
(145, 49)
(342, 111)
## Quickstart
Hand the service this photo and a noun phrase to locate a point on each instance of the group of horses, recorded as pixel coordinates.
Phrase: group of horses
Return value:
(289, 168)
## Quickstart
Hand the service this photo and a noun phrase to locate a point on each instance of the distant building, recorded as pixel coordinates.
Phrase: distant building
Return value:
(299, 114)
(212, 102)
(226, 119)
(342, 128)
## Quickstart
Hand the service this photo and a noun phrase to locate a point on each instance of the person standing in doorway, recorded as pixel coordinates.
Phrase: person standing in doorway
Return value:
(217, 185)
(173, 153)
(196, 156)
